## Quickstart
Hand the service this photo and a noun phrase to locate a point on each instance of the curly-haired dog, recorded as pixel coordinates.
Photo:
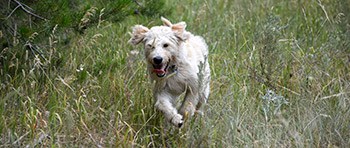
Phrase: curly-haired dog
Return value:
(178, 63)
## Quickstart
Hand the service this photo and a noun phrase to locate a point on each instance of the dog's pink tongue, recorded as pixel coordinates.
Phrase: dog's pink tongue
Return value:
(158, 71)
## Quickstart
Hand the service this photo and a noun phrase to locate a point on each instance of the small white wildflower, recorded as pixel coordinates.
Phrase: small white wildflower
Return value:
(81, 68)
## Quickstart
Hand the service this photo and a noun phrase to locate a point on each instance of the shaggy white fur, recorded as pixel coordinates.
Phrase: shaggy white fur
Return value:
(178, 63)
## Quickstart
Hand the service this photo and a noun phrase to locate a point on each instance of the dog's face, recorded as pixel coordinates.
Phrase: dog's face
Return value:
(161, 45)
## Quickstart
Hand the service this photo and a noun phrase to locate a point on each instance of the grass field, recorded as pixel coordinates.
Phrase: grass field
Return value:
(280, 78)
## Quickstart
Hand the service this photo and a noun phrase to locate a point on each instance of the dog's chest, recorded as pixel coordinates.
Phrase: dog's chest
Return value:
(176, 86)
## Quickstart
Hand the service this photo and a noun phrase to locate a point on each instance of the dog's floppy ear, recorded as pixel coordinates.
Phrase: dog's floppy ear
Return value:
(166, 22)
(179, 30)
(138, 34)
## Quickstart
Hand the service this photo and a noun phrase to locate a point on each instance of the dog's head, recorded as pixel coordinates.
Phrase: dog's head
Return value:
(161, 44)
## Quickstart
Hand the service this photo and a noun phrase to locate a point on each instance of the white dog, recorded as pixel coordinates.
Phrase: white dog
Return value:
(178, 63)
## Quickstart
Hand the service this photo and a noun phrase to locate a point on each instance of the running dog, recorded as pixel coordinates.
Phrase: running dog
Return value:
(177, 61)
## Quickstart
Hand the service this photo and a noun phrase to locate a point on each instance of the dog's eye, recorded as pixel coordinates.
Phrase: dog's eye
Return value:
(165, 45)
(149, 46)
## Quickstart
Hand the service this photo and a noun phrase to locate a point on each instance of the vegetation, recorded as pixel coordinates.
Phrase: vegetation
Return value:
(280, 74)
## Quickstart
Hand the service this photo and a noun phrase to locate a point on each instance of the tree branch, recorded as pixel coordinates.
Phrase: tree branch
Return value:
(24, 8)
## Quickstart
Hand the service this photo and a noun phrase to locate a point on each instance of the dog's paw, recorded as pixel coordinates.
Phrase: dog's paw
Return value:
(177, 120)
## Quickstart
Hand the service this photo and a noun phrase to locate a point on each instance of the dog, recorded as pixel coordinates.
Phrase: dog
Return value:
(177, 61)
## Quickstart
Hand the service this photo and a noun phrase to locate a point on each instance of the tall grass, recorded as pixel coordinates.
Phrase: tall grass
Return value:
(280, 78)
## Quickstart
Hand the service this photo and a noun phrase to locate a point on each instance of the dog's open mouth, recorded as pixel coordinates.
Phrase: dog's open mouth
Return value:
(160, 69)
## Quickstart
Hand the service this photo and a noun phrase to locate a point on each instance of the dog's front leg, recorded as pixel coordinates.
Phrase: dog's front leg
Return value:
(188, 106)
(165, 105)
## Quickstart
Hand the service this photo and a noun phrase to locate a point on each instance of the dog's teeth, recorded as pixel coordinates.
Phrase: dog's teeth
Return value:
(160, 75)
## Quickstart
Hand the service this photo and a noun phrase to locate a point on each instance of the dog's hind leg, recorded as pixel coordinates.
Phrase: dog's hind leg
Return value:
(165, 105)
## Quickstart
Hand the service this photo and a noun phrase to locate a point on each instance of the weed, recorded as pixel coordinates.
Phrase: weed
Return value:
(272, 104)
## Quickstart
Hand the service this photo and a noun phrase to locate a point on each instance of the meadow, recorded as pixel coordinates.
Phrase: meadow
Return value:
(280, 78)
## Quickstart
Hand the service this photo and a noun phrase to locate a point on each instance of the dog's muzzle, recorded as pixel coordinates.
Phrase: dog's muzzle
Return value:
(160, 70)
(159, 67)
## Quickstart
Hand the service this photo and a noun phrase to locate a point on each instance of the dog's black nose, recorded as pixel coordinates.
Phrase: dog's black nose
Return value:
(157, 60)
